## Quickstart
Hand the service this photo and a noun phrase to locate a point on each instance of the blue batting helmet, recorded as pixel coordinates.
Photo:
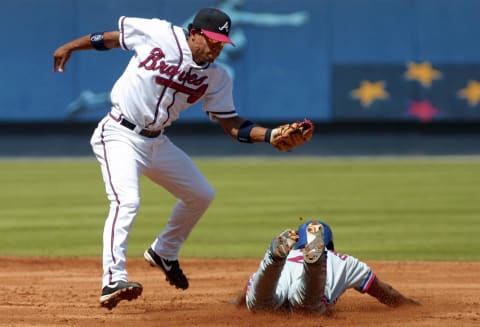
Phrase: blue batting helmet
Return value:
(327, 235)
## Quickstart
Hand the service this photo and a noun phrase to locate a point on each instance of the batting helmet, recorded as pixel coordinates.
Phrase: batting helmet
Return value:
(327, 235)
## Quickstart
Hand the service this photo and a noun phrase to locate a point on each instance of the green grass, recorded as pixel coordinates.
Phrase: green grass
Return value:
(379, 208)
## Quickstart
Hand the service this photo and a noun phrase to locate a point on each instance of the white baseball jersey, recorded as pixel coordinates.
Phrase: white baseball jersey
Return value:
(342, 272)
(162, 79)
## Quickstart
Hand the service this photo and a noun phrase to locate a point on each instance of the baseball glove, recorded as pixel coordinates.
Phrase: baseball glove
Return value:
(288, 136)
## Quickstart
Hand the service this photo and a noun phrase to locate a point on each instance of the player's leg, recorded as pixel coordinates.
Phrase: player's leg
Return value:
(120, 165)
(177, 173)
(265, 290)
(308, 291)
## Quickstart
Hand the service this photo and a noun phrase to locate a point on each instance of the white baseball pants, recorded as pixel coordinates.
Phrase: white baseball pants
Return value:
(124, 156)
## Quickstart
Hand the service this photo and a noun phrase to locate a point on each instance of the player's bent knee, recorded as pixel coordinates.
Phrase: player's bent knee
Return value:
(202, 198)
(207, 195)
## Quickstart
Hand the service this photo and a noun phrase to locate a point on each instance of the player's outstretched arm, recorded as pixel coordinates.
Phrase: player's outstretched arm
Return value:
(284, 137)
(99, 41)
(387, 295)
(243, 130)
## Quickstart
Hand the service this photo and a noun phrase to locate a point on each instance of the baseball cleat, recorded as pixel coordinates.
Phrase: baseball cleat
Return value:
(118, 291)
(315, 246)
(171, 268)
(283, 243)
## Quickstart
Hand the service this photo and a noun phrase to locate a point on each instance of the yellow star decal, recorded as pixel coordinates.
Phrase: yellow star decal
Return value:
(471, 93)
(423, 72)
(369, 92)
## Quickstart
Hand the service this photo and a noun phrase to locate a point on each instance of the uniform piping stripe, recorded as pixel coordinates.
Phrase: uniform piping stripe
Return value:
(180, 61)
(119, 119)
(123, 32)
(367, 283)
(112, 237)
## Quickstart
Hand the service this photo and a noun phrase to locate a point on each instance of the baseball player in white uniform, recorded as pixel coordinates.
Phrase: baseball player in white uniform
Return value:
(302, 272)
(171, 69)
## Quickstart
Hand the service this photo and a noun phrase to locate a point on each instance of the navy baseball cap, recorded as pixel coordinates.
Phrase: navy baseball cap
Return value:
(327, 235)
(214, 23)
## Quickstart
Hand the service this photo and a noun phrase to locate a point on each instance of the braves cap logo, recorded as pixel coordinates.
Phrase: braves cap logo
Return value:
(224, 27)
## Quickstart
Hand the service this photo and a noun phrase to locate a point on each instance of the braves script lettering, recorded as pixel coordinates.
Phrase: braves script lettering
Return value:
(155, 61)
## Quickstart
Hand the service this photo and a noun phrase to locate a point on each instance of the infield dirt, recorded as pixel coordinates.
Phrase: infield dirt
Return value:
(65, 291)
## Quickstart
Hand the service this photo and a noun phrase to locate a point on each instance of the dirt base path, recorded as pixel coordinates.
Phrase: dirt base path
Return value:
(65, 292)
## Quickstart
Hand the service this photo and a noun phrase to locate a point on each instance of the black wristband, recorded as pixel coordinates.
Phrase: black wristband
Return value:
(244, 130)
(96, 40)
(268, 135)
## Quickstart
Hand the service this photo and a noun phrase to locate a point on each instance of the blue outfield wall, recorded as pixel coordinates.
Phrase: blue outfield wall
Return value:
(328, 60)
